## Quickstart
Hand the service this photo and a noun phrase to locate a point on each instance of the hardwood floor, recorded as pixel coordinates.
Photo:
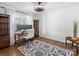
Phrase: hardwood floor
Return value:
(13, 50)
(10, 51)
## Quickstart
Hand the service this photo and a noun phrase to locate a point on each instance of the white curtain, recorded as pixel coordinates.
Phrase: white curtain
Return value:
(11, 12)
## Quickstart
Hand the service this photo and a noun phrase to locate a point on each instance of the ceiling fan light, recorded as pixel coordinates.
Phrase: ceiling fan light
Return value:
(39, 8)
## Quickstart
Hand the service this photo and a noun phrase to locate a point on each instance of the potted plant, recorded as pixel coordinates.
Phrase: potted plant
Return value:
(75, 28)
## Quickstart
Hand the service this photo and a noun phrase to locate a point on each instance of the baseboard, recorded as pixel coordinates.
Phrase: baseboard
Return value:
(50, 39)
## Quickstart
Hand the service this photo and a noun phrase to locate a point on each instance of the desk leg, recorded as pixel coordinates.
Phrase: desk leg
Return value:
(15, 39)
(76, 48)
(19, 40)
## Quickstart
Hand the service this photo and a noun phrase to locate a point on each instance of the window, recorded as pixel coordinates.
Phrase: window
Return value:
(23, 19)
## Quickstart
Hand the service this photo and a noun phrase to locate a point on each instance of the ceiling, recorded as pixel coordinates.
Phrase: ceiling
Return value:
(50, 6)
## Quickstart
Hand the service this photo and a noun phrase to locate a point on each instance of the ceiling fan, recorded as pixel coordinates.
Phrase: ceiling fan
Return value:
(39, 7)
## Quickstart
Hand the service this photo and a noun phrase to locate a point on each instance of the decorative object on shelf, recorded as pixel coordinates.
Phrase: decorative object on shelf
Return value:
(75, 24)
(2, 10)
(39, 7)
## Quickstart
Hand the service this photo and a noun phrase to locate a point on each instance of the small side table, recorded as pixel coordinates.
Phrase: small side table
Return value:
(73, 40)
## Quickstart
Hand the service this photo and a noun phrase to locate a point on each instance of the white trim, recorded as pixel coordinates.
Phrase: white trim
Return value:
(45, 36)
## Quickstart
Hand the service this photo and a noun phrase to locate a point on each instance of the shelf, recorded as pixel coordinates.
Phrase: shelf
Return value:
(4, 31)
(36, 28)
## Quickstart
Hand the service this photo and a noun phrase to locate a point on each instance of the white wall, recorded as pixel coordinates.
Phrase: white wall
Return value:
(58, 24)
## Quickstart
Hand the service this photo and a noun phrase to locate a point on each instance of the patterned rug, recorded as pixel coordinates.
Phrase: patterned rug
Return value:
(40, 48)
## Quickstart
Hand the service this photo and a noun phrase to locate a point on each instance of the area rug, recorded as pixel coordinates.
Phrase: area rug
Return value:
(40, 48)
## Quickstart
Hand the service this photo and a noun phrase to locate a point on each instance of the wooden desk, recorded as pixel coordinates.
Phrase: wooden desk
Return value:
(73, 40)
(19, 34)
